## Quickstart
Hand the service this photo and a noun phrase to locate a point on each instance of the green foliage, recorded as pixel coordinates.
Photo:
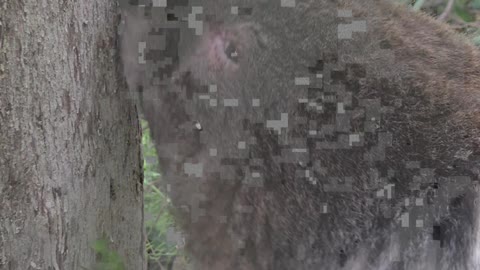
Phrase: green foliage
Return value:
(463, 10)
(467, 12)
(150, 161)
(106, 258)
(156, 205)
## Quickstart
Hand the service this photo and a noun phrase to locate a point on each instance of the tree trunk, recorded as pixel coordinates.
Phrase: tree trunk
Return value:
(70, 160)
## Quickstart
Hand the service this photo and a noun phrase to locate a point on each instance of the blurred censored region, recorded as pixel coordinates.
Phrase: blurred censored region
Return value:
(310, 134)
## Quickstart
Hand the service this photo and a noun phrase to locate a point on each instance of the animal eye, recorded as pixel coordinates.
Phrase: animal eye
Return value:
(231, 52)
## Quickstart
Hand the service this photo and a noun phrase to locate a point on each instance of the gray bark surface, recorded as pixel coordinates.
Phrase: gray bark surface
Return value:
(70, 159)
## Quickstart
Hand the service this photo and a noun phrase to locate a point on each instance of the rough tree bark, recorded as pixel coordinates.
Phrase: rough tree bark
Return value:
(70, 161)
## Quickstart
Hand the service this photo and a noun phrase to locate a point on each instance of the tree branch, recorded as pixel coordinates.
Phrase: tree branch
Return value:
(447, 11)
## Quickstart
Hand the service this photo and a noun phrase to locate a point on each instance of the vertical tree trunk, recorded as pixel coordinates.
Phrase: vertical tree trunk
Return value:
(70, 161)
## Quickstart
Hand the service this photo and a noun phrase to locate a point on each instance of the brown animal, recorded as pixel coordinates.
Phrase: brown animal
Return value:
(325, 134)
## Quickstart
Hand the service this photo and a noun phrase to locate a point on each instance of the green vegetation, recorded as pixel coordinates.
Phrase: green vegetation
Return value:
(107, 259)
(158, 221)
